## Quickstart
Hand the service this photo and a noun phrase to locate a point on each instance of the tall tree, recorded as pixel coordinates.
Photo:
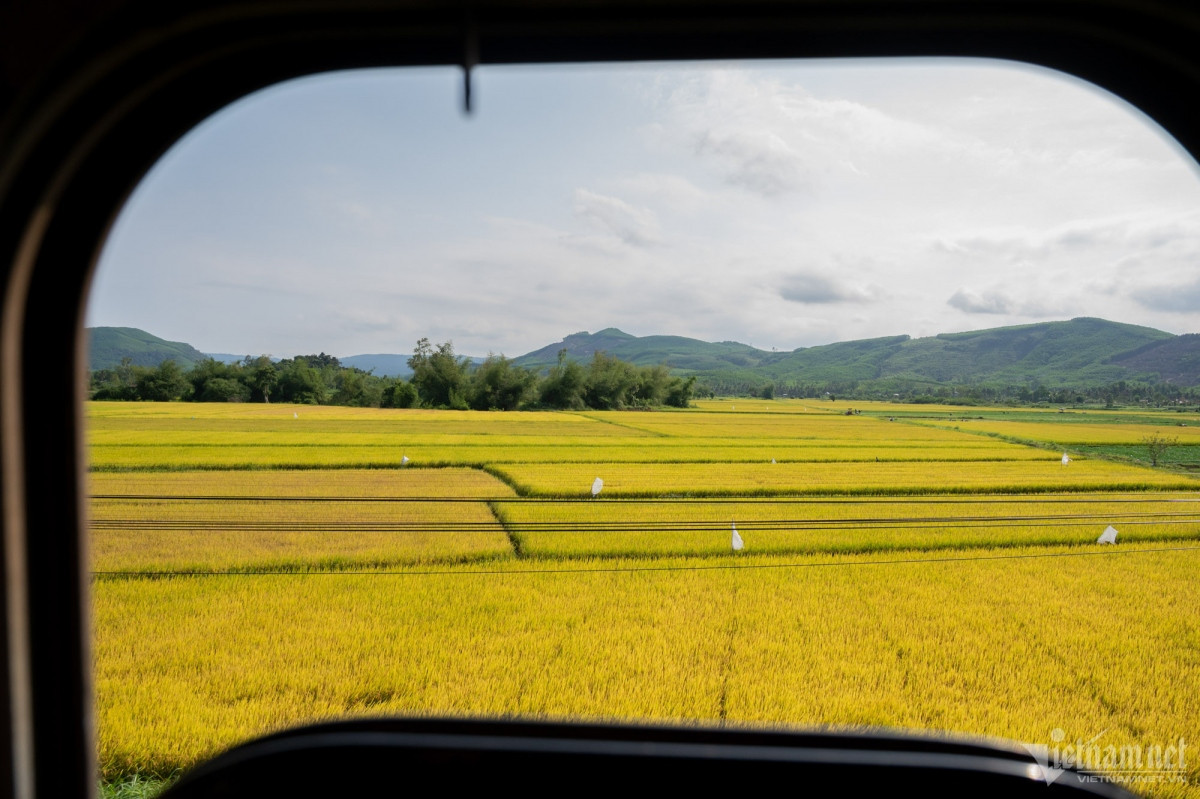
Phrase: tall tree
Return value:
(164, 383)
(399, 394)
(261, 375)
(439, 376)
(563, 386)
(611, 382)
(498, 385)
(299, 382)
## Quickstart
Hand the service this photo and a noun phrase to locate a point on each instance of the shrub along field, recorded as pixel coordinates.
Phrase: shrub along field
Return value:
(258, 566)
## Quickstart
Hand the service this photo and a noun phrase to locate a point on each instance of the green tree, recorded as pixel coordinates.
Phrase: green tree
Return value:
(679, 393)
(353, 388)
(164, 383)
(116, 384)
(438, 375)
(399, 394)
(261, 376)
(206, 371)
(322, 361)
(499, 385)
(610, 382)
(223, 389)
(1157, 445)
(299, 382)
(651, 387)
(563, 386)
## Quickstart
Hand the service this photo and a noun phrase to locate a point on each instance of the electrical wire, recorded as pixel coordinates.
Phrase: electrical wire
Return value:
(631, 569)
(675, 526)
(1047, 498)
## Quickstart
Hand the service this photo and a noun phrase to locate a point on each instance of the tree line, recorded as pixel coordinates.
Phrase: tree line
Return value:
(1112, 394)
(440, 379)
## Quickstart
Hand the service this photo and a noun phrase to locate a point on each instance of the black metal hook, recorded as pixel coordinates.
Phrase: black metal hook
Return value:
(470, 57)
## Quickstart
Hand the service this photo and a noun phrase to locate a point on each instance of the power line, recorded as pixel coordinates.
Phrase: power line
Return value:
(637, 527)
(1047, 498)
(633, 569)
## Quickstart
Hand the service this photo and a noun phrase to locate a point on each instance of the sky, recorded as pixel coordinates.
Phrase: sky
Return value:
(781, 205)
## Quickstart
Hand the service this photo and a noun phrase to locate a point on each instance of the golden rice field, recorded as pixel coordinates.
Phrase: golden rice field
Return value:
(1075, 433)
(293, 520)
(799, 478)
(811, 526)
(124, 441)
(249, 574)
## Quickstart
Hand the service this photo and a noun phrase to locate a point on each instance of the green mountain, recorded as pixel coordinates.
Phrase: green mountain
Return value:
(107, 346)
(681, 354)
(1175, 360)
(1078, 353)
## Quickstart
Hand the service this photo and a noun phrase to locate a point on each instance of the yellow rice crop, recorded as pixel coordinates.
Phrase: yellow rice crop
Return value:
(1072, 434)
(1011, 648)
(553, 529)
(635, 479)
(184, 457)
(744, 406)
(777, 426)
(175, 521)
(100, 413)
(248, 535)
(390, 429)
(362, 484)
(123, 440)
(941, 610)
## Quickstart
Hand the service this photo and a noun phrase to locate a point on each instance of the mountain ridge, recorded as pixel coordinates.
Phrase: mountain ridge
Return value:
(1080, 352)
(108, 346)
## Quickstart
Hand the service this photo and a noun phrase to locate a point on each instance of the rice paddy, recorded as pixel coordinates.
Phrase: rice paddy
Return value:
(261, 566)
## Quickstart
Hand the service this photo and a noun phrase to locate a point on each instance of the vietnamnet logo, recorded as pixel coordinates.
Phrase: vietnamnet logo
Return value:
(1093, 760)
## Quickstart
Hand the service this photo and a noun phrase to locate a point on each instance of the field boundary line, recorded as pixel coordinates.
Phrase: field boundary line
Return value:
(514, 537)
(109, 574)
(644, 431)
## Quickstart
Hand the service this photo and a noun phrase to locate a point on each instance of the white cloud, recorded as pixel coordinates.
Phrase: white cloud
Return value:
(815, 289)
(637, 227)
(1182, 297)
(989, 302)
(756, 160)
(1024, 302)
(675, 191)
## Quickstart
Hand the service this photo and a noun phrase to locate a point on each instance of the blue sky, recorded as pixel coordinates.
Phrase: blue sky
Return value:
(781, 205)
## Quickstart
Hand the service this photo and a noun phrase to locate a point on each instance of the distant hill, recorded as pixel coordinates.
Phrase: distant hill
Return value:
(383, 365)
(1174, 360)
(107, 346)
(681, 354)
(227, 357)
(387, 365)
(1078, 353)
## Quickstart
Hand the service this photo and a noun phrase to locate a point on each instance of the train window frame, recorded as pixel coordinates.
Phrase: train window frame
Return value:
(91, 98)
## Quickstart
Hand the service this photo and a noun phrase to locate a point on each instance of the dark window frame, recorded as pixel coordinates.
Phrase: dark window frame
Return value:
(91, 94)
